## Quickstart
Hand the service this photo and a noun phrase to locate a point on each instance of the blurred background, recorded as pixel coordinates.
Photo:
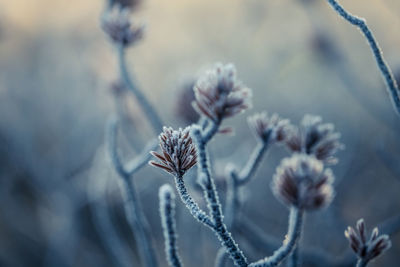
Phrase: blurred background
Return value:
(298, 56)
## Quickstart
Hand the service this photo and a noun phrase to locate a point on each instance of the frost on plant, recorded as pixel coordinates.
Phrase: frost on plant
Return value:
(116, 23)
(366, 248)
(271, 129)
(219, 94)
(315, 138)
(301, 181)
(178, 151)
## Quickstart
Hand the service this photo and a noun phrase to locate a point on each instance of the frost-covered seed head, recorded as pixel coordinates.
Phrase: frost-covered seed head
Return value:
(301, 181)
(219, 94)
(316, 138)
(117, 25)
(178, 151)
(272, 129)
(366, 249)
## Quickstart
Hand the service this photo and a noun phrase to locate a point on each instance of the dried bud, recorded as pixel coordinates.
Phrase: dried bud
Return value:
(366, 249)
(269, 129)
(220, 95)
(301, 181)
(178, 151)
(315, 138)
(116, 23)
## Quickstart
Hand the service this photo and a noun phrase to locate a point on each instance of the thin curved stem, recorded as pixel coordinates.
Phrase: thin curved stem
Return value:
(253, 163)
(191, 204)
(212, 198)
(391, 84)
(294, 231)
(145, 105)
(133, 211)
(167, 212)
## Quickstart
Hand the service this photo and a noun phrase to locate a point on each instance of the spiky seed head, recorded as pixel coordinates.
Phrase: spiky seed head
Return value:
(316, 138)
(301, 181)
(219, 94)
(178, 151)
(272, 129)
(364, 248)
(117, 25)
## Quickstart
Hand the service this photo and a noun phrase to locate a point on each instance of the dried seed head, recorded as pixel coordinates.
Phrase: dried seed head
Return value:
(315, 138)
(366, 249)
(269, 128)
(301, 181)
(219, 94)
(178, 151)
(117, 25)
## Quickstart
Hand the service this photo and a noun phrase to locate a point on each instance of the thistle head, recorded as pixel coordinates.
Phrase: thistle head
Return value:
(366, 249)
(178, 151)
(219, 94)
(117, 25)
(314, 137)
(302, 182)
(271, 129)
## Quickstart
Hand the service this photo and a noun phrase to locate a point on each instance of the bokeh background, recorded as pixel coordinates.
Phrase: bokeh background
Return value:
(298, 56)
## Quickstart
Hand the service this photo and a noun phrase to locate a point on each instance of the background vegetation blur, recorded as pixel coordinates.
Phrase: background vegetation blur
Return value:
(298, 56)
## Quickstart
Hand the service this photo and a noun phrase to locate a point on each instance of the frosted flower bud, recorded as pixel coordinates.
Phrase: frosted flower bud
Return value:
(272, 129)
(301, 181)
(219, 94)
(117, 25)
(316, 138)
(366, 249)
(178, 151)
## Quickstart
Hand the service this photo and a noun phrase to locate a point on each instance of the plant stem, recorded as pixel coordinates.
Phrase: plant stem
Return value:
(145, 105)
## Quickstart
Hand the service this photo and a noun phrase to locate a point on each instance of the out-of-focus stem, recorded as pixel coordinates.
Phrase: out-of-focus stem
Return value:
(294, 231)
(145, 105)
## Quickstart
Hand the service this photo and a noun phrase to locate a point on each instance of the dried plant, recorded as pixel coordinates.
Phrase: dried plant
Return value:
(178, 151)
(316, 138)
(116, 23)
(366, 248)
(302, 182)
(219, 94)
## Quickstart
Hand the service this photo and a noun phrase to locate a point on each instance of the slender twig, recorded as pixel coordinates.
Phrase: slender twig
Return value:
(391, 84)
(253, 162)
(294, 257)
(295, 224)
(211, 195)
(147, 108)
(103, 223)
(167, 212)
(133, 211)
(191, 204)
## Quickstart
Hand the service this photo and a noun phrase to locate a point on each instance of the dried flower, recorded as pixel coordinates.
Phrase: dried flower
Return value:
(301, 181)
(366, 249)
(219, 94)
(269, 128)
(116, 23)
(178, 151)
(315, 138)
